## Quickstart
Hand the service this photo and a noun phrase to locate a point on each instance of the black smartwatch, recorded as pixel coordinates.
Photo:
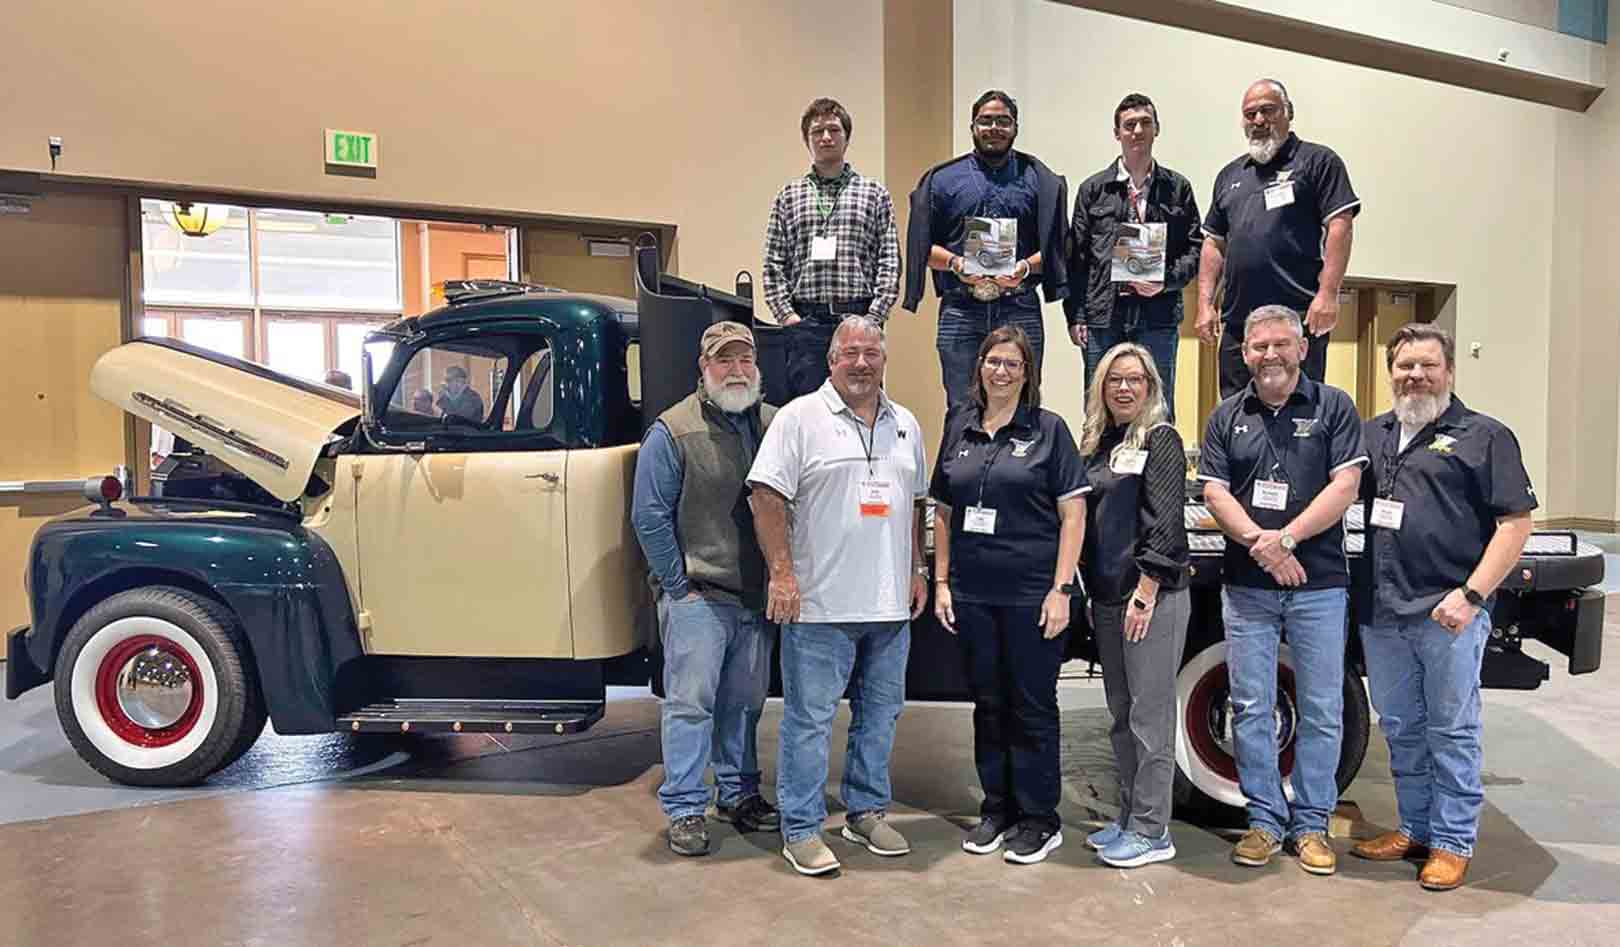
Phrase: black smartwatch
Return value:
(1474, 598)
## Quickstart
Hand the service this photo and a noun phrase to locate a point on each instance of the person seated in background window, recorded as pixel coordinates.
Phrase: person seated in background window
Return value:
(458, 398)
(340, 379)
(422, 402)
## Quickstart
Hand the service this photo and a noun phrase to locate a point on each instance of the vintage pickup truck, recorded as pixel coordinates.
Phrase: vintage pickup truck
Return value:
(415, 568)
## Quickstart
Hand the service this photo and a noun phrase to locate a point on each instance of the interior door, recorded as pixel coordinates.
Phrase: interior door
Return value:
(466, 554)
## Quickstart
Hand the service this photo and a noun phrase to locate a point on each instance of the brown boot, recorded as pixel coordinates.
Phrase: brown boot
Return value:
(1390, 847)
(1443, 871)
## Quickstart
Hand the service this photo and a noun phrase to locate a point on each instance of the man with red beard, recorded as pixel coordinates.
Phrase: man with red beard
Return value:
(1278, 233)
(692, 520)
(1447, 505)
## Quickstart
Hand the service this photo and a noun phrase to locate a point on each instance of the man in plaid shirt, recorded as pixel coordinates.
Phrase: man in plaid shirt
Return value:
(831, 248)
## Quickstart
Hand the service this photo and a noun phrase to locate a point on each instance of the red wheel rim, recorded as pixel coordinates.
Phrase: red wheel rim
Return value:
(1197, 719)
(112, 713)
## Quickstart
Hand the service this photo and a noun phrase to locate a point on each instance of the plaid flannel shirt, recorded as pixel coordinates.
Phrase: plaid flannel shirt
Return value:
(868, 260)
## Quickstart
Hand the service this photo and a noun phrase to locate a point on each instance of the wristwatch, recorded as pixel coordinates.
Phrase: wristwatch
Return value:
(1288, 542)
(1474, 598)
(921, 570)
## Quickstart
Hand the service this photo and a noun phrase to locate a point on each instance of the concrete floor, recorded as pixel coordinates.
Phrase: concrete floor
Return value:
(477, 840)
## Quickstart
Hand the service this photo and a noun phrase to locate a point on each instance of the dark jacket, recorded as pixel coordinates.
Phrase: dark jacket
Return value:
(1051, 221)
(1099, 208)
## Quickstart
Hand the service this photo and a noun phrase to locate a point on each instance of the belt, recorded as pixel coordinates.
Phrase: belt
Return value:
(847, 307)
(959, 295)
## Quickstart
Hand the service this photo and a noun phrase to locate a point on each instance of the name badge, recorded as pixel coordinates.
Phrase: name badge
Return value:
(1128, 461)
(875, 498)
(824, 248)
(1271, 495)
(1388, 513)
(980, 519)
(1280, 194)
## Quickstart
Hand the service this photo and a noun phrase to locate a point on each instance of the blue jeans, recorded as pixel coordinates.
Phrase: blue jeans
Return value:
(963, 326)
(1425, 686)
(717, 668)
(1314, 622)
(818, 662)
(1161, 343)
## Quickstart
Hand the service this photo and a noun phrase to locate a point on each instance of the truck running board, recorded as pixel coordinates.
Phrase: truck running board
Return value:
(474, 716)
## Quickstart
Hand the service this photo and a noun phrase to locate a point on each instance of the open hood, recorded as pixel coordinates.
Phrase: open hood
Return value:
(267, 425)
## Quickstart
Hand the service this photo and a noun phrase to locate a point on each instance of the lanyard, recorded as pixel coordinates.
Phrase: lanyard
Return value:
(1392, 463)
(866, 447)
(826, 205)
(1137, 214)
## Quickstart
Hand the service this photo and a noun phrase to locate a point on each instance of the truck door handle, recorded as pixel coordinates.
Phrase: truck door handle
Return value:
(547, 477)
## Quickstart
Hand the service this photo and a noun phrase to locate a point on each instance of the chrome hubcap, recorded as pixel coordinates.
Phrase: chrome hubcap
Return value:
(154, 688)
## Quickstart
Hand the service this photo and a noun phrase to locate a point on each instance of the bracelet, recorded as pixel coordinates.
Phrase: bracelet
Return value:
(1027, 269)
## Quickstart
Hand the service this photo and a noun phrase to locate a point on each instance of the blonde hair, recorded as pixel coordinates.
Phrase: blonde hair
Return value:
(1154, 411)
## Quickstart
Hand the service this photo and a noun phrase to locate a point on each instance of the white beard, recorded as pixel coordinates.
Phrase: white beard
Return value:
(733, 400)
(1263, 151)
(1419, 411)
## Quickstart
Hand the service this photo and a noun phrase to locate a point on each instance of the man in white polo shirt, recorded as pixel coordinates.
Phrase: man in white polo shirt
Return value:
(837, 490)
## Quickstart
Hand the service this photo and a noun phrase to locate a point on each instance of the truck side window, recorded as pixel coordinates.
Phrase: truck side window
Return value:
(533, 402)
(459, 380)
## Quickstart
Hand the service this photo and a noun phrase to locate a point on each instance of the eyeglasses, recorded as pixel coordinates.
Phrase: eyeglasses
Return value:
(987, 122)
(1129, 381)
(1009, 365)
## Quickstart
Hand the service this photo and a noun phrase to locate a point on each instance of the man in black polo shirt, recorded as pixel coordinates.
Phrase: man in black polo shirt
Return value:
(1281, 463)
(1448, 511)
(1278, 233)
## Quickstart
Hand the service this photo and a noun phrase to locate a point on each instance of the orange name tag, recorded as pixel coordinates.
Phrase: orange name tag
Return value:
(874, 498)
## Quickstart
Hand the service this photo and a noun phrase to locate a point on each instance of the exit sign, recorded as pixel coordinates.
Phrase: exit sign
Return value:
(347, 149)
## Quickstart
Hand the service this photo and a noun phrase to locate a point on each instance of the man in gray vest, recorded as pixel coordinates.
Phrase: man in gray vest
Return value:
(693, 521)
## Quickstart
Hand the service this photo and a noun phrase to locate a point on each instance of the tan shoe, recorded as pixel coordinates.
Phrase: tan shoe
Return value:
(1315, 854)
(810, 856)
(1255, 848)
(1443, 871)
(1390, 847)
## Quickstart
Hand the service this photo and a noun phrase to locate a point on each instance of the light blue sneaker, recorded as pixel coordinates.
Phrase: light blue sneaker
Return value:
(1104, 837)
(1133, 850)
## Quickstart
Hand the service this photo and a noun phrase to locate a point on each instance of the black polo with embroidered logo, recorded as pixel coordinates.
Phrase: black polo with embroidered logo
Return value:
(1274, 255)
(1022, 473)
(1315, 434)
(1455, 479)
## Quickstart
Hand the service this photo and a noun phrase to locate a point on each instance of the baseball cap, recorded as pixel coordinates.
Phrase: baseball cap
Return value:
(717, 335)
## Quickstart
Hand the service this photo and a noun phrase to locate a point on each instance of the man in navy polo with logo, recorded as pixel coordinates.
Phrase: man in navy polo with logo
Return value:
(1447, 503)
(1281, 463)
(1278, 233)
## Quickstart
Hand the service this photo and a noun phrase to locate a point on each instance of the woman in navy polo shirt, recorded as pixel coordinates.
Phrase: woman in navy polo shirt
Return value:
(1135, 567)
(1008, 526)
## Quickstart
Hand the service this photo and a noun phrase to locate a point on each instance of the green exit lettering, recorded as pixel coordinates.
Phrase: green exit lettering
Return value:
(353, 148)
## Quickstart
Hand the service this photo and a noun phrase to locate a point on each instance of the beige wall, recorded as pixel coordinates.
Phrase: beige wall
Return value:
(684, 113)
(1428, 215)
(62, 272)
(1600, 346)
